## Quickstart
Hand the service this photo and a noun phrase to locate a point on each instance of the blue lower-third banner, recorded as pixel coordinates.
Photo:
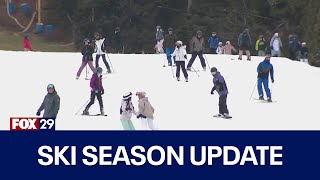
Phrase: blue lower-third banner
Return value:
(160, 155)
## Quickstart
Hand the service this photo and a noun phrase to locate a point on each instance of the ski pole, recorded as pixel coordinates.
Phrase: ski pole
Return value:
(194, 70)
(207, 61)
(86, 71)
(254, 88)
(110, 63)
(172, 71)
(164, 61)
(82, 107)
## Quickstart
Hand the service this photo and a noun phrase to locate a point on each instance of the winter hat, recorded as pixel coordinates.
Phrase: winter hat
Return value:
(220, 43)
(199, 33)
(170, 29)
(143, 94)
(127, 96)
(179, 43)
(228, 42)
(99, 70)
(276, 34)
(50, 86)
(86, 41)
(158, 27)
(260, 36)
(117, 29)
(304, 43)
(214, 69)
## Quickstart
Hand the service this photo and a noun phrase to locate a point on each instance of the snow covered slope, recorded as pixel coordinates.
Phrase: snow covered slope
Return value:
(179, 105)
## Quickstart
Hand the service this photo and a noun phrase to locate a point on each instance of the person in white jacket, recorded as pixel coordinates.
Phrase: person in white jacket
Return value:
(276, 45)
(220, 48)
(145, 113)
(126, 111)
(181, 55)
(100, 50)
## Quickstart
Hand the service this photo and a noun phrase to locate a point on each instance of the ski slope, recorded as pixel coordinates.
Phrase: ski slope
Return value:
(178, 105)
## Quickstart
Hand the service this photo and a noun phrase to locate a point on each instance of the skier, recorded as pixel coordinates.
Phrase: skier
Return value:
(221, 87)
(146, 112)
(213, 41)
(86, 52)
(264, 69)
(275, 45)
(293, 47)
(196, 48)
(180, 54)
(126, 111)
(50, 104)
(26, 44)
(261, 46)
(220, 48)
(100, 49)
(96, 91)
(228, 48)
(169, 41)
(117, 39)
(244, 42)
(159, 39)
(304, 53)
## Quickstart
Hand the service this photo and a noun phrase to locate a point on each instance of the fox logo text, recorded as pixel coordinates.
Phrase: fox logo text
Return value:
(30, 124)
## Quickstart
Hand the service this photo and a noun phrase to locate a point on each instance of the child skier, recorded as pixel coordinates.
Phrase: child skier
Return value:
(126, 111)
(100, 49)
(220, 48)
(221, 87)
(180, 54)
(228, 48)
(86, 52)
(146, 112)
(96, 90)
(26, 44)
(50, 104)
(264, 69)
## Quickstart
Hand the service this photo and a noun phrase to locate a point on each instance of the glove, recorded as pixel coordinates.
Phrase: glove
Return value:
(272, 80)
(38, 113)
(102, 92)
(141, 116)
(128, 109)
(212, 92)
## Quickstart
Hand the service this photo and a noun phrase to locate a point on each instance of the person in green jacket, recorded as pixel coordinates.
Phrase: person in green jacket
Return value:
(50, 104)
(261, 46)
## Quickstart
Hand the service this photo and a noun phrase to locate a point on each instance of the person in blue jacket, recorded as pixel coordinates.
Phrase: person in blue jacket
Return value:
(221, 87)
(264, 69)
(213, 42)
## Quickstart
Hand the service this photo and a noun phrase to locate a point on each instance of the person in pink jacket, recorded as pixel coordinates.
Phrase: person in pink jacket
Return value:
(146, 111)
(228, 48)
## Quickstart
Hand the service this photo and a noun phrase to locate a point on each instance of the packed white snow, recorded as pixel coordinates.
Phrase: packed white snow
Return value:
(178, 105)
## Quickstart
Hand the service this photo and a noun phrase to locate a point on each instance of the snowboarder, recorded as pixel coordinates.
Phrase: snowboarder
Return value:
(221, 87)
(146, 112)
(26, 44)
(180, 54)
(228, 48)
(117, 39)
(196, 48)
(304, 53)
(126, 111)
(264, 69)
(275, 45)
(100, 49)
(159, 39)
(261, 46)
(50, 104)
(96, 91)
(169, 41)
(220, 48)
(213, 42)
(244, 42)
(86, 52)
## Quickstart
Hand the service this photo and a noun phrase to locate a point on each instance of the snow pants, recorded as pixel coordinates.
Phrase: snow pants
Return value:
(265, 83)
(194, 55)
(92, 98)
(147, 124)
(127, 124)
(181, 65)
(223, 108)
(84, 63)
(104, 60)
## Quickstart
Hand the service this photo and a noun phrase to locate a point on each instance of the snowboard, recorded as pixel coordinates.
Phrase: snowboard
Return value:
(223, 117)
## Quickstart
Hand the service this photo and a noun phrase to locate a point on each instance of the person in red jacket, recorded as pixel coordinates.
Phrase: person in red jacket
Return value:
(96, 90)
(27, 44)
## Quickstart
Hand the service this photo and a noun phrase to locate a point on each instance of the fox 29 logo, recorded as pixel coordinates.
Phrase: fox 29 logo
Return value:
(32, 124)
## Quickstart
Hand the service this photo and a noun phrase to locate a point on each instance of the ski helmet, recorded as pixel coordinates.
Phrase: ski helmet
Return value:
(99, 70)
(170, 29)
(127, 96)
(213, 69)
(50, 86)
(179, 43)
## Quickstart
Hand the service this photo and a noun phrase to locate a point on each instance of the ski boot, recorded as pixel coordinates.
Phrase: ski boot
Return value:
(101, 111)
(249, 58)
(218, 115)
(187, 80)
(188, 68)
(261, 98)
(77, 77)
(178, 78)
(85, 112)
(109, 71)
(269, 99)
(226, 116)
(169, 64)
(240, 58)
(204, 68)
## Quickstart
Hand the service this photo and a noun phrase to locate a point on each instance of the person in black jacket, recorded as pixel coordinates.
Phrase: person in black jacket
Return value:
(117, 40)
(50, 104)
(86, 52)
